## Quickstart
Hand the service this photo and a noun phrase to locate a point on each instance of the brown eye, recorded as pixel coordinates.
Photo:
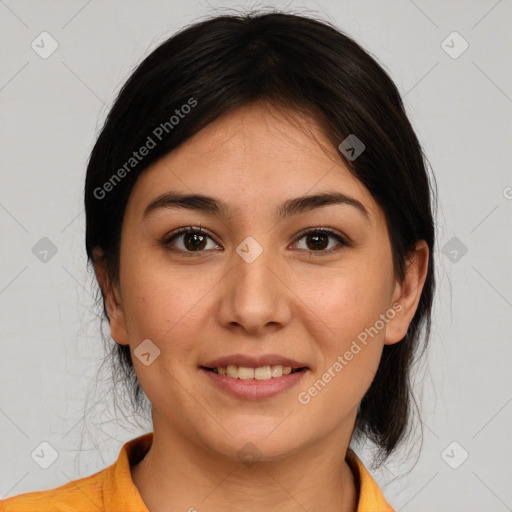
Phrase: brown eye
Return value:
(189, 239)
(318, 239)
(194, 241)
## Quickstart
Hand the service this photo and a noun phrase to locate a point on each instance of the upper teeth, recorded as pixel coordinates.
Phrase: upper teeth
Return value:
(260, 373)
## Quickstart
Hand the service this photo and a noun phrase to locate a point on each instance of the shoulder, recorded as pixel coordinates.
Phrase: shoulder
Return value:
(110, 489)
(81, 495)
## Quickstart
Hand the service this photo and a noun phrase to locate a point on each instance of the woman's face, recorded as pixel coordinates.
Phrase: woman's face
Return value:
(256, 285)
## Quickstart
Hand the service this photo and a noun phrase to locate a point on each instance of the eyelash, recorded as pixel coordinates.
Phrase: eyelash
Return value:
(166, 241)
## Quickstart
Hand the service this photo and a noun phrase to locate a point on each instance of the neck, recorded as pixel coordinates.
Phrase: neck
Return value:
(177, 474)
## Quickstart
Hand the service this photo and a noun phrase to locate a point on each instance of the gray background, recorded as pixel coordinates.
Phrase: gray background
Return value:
(51, 349)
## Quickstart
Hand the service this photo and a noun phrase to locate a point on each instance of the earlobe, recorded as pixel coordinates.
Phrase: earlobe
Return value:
(113, 304)
(408, 293)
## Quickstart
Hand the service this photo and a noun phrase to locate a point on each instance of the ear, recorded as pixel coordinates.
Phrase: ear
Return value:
(407, 294)
(112, 299)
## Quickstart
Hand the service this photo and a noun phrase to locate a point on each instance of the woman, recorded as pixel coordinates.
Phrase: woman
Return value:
(258, 215)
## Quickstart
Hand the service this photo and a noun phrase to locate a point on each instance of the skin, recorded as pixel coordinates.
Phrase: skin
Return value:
(214, 303)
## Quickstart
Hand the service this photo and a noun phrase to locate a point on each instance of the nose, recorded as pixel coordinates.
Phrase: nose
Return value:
(255, 297)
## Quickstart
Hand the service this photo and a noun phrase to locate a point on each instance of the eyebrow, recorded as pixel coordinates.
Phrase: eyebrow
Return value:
(213, 206)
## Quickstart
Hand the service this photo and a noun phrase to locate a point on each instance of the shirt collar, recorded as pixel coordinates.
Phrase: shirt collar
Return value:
(370, 496)
(119, 491)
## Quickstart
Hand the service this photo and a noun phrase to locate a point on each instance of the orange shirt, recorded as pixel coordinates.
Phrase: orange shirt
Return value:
(112, 489)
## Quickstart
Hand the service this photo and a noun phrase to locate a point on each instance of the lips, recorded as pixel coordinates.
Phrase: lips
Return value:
(254, 382)
(254, 361)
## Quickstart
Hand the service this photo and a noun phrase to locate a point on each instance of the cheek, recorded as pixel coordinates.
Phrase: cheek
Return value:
(346, 300)
(164, 303)
(165, 306)
(349, 349)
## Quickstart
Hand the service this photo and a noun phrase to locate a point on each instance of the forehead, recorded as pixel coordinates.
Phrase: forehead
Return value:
(253, 157)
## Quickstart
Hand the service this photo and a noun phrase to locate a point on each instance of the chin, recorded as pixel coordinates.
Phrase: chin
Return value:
(255, 444)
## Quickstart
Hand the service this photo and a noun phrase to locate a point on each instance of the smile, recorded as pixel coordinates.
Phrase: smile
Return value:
(260, 373)
(249, 383)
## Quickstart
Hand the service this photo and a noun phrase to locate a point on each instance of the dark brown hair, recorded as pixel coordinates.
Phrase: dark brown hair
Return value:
(304, 65)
